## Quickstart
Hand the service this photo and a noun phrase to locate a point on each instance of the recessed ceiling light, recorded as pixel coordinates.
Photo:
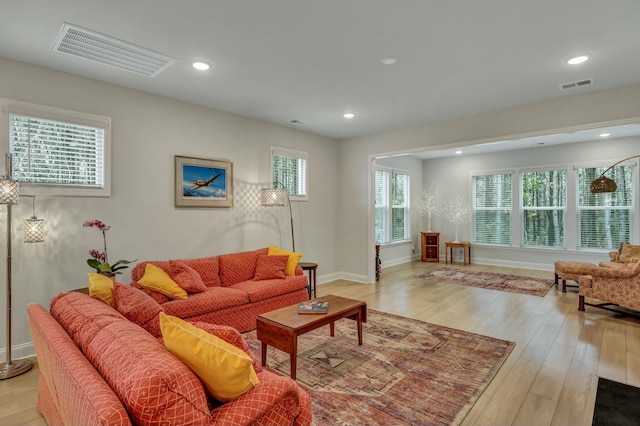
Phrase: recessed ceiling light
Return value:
(200, 65)
(389, 61)
(349, 115)
(605, 135)
(458, 152)
(578, 59)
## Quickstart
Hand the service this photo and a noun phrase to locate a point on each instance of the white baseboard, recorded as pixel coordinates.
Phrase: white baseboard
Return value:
(25, 350)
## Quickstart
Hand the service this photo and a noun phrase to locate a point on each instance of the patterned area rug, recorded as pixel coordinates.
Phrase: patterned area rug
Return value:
(407, 372)
(503, 282)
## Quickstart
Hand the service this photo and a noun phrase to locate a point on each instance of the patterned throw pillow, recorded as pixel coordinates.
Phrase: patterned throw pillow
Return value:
(294, 258)
(270, 267)
(186, 277)
(138, 307)
(629, 253)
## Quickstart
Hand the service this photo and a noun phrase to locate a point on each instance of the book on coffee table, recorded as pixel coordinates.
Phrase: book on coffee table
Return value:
(313, 307)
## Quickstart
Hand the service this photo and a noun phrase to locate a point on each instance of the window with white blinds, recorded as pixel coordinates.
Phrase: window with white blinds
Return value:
(492, 203)
(544, 202)
(605, 220)
(59, 152)
(289, 171)
(392, 206)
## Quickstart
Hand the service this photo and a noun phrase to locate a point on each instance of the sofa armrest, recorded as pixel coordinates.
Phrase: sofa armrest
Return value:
(585, 281)
(613, 273)
(275, 401)
(613, 255)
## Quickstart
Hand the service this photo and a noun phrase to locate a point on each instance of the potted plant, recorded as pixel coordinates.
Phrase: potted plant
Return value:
(100, 260)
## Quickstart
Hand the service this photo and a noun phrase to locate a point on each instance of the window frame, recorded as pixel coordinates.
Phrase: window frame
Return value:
(67, 116)
(475, 209)
(524, 209)
(631, 208)
(303, 180)
(389, 206)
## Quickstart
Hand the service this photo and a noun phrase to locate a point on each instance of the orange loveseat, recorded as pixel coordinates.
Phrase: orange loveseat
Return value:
(232, 295)
(99, 368)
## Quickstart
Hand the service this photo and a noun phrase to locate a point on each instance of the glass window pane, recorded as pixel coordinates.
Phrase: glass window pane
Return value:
(544, 228)
(493, 226)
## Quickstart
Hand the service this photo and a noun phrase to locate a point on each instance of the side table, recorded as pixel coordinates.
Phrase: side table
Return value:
(450, 245)
(312, 268)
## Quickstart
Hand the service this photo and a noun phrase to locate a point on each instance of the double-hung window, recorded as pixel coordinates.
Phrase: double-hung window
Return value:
(492, 209)
(59, 152)
(604, 220)
(544, 201)
(289, 170)
(392, 205)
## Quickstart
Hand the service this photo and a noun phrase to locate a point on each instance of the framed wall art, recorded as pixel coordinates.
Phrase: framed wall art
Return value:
(203, 182)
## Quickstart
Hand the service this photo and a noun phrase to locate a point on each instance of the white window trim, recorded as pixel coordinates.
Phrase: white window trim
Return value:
(277, 150)
(389, 207)
(23, 108)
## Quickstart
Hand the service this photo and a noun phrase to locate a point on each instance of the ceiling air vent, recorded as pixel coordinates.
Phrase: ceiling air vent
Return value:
(574, 84)
(296, 122)
(98, 47)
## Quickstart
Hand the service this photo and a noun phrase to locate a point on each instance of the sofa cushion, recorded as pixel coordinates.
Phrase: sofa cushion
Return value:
(156, 279)
(294, 258)
(225, 370)
(138, 307)
(266, 289)
(155, 387)
(101, 287)
(270, 267)
(186, 277)
(214, 299)
(237, 267)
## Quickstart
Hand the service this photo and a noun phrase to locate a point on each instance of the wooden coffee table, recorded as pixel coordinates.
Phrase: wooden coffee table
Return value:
(281, 328)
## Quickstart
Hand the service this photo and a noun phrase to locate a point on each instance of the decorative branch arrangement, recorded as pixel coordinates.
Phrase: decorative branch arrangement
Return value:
(429, 204)
(458, 211)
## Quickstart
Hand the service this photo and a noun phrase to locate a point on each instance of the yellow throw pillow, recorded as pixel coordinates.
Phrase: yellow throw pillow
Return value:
(101, 287)
(158, 280)
(225, 370)
(294, 258)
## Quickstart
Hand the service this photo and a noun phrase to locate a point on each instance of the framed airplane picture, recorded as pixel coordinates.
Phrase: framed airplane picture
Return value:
(203, 182)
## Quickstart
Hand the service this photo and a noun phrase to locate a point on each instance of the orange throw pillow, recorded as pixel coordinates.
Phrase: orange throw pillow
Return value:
(186, 277)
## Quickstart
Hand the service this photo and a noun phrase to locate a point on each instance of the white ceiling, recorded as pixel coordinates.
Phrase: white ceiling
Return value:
(313, 60)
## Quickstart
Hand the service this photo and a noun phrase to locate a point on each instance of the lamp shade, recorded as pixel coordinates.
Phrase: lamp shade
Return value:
(9, 191)
(274, 197)
(33, 230)
(603, 184)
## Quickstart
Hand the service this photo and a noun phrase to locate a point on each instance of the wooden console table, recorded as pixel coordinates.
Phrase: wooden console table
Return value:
(450, 245)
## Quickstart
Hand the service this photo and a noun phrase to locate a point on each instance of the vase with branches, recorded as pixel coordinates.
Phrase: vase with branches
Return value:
(429, 204)
(458, 211)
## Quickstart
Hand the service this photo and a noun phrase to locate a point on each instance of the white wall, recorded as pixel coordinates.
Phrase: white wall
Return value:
(397, 253)
(454, 175)
(591, 110)
(147, 131)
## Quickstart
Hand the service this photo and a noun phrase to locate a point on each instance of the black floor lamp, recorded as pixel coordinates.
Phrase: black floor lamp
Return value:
(34, 232)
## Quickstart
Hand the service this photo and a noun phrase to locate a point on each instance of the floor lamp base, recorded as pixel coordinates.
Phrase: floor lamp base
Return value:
(16, 368)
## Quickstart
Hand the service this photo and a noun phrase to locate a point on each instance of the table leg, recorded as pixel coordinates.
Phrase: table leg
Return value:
(315, 293)
(464, 255)
(293, 357)
(332, 329)
(359, 320)
(264, 354)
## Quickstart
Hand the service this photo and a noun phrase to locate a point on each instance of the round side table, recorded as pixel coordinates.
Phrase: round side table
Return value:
(312, 268)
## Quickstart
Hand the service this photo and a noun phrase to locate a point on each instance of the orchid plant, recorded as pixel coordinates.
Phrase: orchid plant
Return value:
(99, 259)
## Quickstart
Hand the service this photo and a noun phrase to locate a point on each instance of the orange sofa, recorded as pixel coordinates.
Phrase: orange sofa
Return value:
(99, 368)
(232, 295)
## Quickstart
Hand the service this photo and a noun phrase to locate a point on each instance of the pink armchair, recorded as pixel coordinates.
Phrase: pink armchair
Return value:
(613, 286)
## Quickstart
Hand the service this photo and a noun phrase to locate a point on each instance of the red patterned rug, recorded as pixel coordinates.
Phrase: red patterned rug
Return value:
(503, 282)
(407, 372)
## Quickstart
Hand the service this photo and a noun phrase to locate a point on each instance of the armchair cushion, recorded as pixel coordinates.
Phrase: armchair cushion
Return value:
(628, 253)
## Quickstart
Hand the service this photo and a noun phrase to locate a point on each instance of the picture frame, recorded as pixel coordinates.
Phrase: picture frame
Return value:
(203, 182)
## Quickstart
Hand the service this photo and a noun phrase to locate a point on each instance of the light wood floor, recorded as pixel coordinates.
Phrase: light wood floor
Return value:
(550, 377)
